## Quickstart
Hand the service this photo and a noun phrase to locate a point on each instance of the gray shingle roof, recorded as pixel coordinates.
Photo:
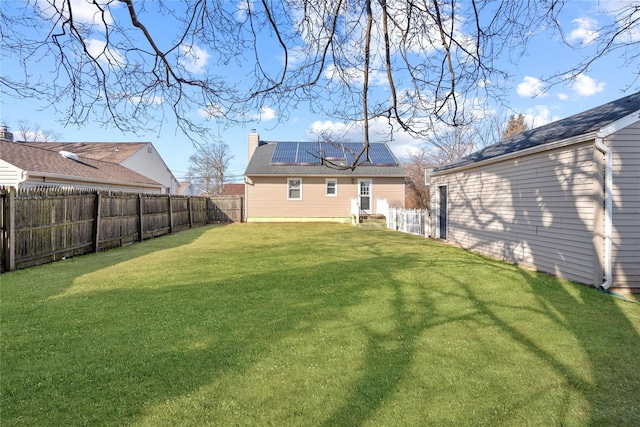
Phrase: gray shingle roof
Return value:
(41, 160)
(579, 124)
(260, 164)
(113, 152)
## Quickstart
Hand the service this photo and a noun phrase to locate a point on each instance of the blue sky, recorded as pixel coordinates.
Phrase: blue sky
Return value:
(608, 79)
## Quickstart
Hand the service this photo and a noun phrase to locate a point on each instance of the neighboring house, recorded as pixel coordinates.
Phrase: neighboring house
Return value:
(287, 181)
(28, 165)
(232, 190)
(187, 188)
(563, 198)
(140, 157)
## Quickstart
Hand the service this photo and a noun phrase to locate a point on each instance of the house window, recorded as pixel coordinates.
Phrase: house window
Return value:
(294, 189)
(332, 187)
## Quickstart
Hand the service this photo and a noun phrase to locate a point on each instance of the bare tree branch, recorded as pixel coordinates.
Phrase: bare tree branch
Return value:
(413, 63)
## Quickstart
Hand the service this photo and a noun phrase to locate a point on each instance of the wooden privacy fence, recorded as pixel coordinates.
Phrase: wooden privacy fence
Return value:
(45, 224)
(225, 209)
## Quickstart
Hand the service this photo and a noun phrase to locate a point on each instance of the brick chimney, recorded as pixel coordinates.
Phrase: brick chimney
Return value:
(253, 141)
(5, 135)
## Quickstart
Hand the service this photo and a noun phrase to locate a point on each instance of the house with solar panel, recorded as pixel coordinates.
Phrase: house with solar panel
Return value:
(563, 198)
(308, 181)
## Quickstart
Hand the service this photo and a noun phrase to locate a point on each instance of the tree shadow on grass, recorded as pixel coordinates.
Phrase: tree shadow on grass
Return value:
(106, 355)
(599, 383)
(600, 388)
(124, 355)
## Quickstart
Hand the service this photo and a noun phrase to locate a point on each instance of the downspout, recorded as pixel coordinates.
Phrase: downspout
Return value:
(608, 206)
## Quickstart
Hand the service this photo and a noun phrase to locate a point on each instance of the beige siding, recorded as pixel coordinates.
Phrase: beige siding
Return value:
(625, 145)
(267, 197)
(536, 211)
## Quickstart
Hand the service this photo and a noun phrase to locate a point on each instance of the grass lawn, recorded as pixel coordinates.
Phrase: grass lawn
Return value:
(310, 325)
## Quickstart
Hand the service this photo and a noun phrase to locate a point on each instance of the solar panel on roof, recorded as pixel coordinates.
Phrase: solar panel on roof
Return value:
(352, 150)
(284, 153)
(312, 153)
(308, 153)
(379, 154)
(331, 151)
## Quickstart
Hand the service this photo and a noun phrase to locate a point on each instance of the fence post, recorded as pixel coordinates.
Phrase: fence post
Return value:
(96, 230)
(190, 212)
(9, 242)
(140, 218)
(170, 214)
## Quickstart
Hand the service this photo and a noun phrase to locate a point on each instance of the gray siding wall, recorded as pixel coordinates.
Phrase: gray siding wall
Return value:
(149, 163)
(625, 145)
(536, 211)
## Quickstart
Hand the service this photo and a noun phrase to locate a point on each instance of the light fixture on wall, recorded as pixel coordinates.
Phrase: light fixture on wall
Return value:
(353, 180)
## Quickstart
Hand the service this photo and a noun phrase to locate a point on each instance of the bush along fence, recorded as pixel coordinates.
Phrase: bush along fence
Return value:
(48, 224)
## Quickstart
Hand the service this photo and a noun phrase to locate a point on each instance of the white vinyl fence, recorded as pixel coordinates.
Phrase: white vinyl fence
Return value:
(412, 221)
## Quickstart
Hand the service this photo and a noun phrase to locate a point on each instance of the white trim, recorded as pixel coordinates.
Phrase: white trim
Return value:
(90, 180)
(604, 132)
(427, 175)
(370, 181)
(438, 210)
(326, 187)
(608, 208)
(289, 188)
(314, 175)
(584, 138)
(619, 124)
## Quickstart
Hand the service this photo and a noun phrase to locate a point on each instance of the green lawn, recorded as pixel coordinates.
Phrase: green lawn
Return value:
(310, 325)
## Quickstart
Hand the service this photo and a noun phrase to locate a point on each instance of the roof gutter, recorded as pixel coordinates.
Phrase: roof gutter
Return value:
(328, 175)
(94, 180)
(608, 206)
(578, 139)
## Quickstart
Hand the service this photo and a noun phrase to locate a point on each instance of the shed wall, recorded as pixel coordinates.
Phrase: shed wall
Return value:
(536, 211)
(625, 145)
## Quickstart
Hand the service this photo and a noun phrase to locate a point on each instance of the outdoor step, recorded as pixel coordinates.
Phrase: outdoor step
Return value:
(373, 221)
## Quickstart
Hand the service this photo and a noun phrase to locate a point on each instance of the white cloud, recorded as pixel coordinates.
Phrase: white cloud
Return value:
(242, 10)
(587, 86)
(36, 135)
(530, 87)
(563, 96)
(193, 58)
(83, 11)
(99, 50)
(402, 144)
(266, 114)
(211, 111)
(586, 31)
(538, 116)
(352, 75)
(157, 100)
(337, 128)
